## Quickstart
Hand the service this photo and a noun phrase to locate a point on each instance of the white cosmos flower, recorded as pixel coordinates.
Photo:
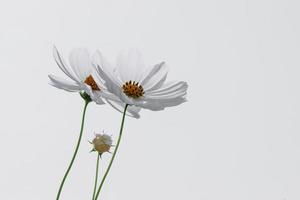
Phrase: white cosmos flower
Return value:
(81, 75)
(135, 84)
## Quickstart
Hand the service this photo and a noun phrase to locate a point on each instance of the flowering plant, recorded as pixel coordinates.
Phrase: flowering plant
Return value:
(127, 87)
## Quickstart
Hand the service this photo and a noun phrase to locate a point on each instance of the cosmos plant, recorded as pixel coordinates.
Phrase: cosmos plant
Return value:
(128, 86)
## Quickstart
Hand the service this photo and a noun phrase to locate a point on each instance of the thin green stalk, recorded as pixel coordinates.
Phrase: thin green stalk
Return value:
(75, 152)
(96, 176)
(114, 154)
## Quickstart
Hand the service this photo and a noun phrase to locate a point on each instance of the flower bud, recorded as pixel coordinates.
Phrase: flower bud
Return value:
(102, 143)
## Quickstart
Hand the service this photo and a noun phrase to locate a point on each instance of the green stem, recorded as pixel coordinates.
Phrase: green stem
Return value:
(96, 176)
(114, 154)
(75, 152)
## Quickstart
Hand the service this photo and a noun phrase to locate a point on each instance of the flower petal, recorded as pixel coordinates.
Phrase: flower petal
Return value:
(99, 81)
(62, 64)
(104, 73)
(157, 84)
(169, 90)
(130, 65)
(96, 96)
(110, 83)
(155, 77)
(132, 111)
(161, 104)
(105, 69)
(64, 84)
(81, 63)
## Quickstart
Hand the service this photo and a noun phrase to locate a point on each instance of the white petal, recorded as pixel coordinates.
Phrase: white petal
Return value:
(62, 64)
(116, 103)
(161, 104)
(111, 84)
(169, 89)
(132, 111)
(154, 77)
(95, 95)
(157, 84)
(81, 63)
(99, 81)
(110, 96)
(64, 84)
(105, 69)
(119, 105)
(170, 95)
(128, 100)
(130, 65)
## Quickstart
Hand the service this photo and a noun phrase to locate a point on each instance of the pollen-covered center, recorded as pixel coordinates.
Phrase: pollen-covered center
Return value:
(91, 82)
(133, 89)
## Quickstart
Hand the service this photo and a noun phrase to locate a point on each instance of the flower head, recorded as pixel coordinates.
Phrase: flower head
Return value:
(83, 76)
(102, 143)
(141, 86)
(80, 74)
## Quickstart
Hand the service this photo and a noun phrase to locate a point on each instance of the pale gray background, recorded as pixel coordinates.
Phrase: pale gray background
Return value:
(236, 139)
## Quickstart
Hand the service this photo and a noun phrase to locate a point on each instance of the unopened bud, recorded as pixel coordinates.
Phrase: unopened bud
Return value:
(102, 143)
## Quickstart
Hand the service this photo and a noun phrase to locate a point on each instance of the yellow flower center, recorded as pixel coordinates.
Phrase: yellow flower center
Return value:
(133, 89)
(91, 82)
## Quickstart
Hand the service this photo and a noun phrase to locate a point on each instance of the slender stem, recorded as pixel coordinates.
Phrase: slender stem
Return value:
(96, 176)
(114, 154)
(75, 152)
